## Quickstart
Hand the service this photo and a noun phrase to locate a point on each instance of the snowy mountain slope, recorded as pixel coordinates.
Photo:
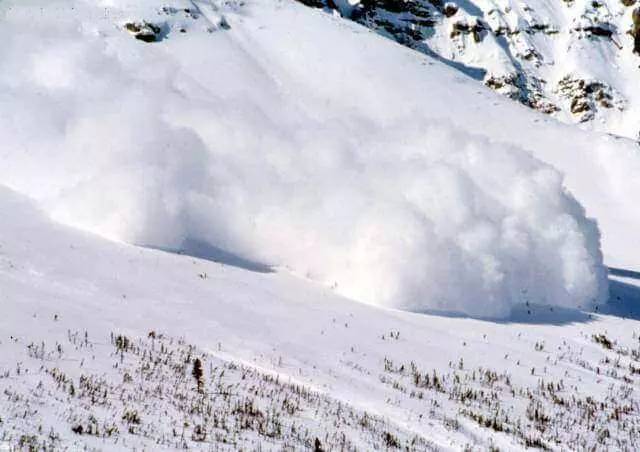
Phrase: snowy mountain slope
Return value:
(576, 60)
(315, 160)
(255, 138)
(79, 366)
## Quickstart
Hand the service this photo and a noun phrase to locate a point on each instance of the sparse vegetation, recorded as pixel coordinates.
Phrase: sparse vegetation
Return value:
(603, 340)
(149, 398)
(542, 416)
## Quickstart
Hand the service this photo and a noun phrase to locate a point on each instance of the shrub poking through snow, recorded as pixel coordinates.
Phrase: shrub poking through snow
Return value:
(242, 408)
(122, 343)
(603, 340)
(198, 373)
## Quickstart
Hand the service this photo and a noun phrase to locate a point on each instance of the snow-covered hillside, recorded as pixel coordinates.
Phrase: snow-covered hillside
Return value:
(98, 343)
(258, 169)
(577, 60)
(230, 132)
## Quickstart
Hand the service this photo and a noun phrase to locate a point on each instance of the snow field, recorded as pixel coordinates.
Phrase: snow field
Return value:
(199, 138)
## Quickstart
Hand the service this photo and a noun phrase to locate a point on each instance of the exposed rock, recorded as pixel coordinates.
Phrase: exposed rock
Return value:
(541, 28)
(635, 31)
(586, 97)
(527, 92)
(175, 20)
(450, 9)
(508, 84)
(144, 31)
(511, 46)
(313, 3)
(603, 30)
(476, 28)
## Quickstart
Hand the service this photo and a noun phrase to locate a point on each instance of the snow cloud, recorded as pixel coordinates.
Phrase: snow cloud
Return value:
(197, 139)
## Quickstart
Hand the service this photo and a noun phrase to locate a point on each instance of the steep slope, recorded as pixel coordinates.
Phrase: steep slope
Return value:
(301, 158)
(575, 60)
(205, 123)
(98, 342)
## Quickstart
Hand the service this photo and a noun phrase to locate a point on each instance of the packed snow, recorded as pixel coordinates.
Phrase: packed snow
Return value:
(220, 134)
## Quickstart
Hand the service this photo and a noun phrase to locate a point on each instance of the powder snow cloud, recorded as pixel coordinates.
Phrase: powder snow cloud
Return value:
(199, 138)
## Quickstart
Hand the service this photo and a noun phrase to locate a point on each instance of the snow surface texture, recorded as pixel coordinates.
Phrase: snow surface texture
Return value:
(204, 138)
(279, 352)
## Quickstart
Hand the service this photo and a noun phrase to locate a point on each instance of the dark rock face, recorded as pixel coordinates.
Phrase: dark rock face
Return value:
(605, 30)
(508, 47)
(404, 21)
(587, 96)
(475, 29)
(450, 9)
(635, 32)
(170, 20)
(144, 31)
(313, 3)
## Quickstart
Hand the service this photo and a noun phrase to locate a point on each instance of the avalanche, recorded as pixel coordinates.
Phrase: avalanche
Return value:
(98, 340)
(236, 131)
(258, 169)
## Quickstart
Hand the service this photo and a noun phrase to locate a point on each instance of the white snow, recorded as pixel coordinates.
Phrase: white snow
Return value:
(261, 141)
(530, 47)
(310, 165)
(65, 293)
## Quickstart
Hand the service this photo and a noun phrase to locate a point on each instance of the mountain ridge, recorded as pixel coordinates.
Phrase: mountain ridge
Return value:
(575, 60)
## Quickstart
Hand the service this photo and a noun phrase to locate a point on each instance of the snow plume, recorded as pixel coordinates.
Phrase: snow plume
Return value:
(158, 144)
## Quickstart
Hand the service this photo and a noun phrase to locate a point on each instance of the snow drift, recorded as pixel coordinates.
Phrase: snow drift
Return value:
(205, 137)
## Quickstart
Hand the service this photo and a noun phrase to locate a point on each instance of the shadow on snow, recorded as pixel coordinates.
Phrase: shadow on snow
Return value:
(205, 251)
(624, 302)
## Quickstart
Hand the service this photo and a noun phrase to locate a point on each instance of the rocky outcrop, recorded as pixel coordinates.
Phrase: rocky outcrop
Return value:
(635, 31)
(144, 31)
(169, 19)
(586, 97)
(519, 48)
